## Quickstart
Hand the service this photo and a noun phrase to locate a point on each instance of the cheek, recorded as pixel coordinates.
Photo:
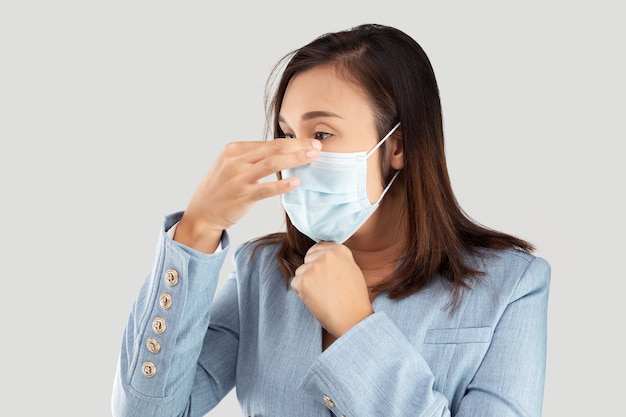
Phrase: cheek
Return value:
(374, 178)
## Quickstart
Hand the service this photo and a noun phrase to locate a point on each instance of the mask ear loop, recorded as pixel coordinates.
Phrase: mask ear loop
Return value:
(378, 145)
(397, 172)
(387, 187)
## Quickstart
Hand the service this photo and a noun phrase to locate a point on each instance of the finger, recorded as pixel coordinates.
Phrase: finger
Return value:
(285, 146)
(273, 188)
(295, 284)
(312, 255)
(252, 152)
(317, 249)
(274, 163)
(324, 245)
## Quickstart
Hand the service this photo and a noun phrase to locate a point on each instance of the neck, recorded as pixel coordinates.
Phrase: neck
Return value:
(378, 245)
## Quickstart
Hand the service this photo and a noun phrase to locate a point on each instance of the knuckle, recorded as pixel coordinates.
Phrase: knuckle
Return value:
(264, 191)
(231, 148)
(283, 186)
(276, 145)
(269, 164)
(301, 157)
(335, 252)
(303, 285)
(343, 249)
(304, 143)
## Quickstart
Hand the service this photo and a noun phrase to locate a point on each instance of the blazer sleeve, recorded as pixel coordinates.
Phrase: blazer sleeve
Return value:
(373, 369)
(159, 372)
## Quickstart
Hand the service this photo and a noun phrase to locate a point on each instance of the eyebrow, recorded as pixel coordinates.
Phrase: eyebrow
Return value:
(313, 115)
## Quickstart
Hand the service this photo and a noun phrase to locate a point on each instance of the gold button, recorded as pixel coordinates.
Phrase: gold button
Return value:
(153, 345)
(158, 325)
(171, 277)
(328, 401)
(148, 369)
(166, 301)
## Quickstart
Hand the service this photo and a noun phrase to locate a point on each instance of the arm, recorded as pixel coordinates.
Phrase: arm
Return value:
(374, 370)
(161, 382)
(171, 382)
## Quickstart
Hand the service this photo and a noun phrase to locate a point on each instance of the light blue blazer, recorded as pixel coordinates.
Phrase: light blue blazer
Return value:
(183, 349)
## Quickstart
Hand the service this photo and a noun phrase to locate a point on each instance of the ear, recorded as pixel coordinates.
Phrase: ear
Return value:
(397, 152)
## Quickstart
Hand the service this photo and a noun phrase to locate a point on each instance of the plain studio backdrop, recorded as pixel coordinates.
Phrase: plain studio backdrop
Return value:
(112, 111)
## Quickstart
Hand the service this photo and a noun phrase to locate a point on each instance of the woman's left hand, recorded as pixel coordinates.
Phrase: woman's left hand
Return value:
(333, 287)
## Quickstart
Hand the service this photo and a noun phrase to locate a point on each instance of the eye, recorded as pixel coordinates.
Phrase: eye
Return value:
(316, 135)
(322, 135)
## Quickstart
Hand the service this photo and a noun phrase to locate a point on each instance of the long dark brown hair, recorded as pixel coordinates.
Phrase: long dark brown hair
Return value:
(399, 81)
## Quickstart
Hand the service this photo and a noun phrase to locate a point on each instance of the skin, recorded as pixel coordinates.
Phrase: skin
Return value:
(232, 185)
(320, 110)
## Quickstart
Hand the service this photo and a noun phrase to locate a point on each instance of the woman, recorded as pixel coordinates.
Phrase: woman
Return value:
(382, 298)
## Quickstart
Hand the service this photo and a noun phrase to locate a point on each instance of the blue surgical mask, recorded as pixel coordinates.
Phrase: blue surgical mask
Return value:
(331, 202)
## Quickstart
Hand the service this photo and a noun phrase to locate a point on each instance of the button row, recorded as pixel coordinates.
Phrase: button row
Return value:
(159, 324)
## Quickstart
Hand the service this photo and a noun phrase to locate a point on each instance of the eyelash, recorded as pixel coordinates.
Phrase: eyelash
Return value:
(316, 135)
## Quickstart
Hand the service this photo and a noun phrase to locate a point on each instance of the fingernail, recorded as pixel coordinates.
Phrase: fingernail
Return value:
(317, 144)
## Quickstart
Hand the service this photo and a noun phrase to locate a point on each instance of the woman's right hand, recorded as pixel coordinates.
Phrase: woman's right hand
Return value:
(233, 184)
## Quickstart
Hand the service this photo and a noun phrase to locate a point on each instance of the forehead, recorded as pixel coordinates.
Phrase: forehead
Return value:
(323, 88)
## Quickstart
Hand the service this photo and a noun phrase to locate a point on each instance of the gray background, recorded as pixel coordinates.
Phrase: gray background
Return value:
(111, 112)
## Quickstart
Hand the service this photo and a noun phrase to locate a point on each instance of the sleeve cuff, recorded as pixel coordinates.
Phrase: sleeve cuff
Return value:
(169, 227)
(374, 356)
(172, 230)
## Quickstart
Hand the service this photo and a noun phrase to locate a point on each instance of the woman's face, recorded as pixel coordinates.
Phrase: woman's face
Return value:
(320, 104)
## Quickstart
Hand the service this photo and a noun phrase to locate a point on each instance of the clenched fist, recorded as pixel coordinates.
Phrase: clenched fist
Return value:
(333, 287)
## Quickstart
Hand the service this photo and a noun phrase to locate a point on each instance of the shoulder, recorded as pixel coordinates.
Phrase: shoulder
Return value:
(511, 260)
(512, 270)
